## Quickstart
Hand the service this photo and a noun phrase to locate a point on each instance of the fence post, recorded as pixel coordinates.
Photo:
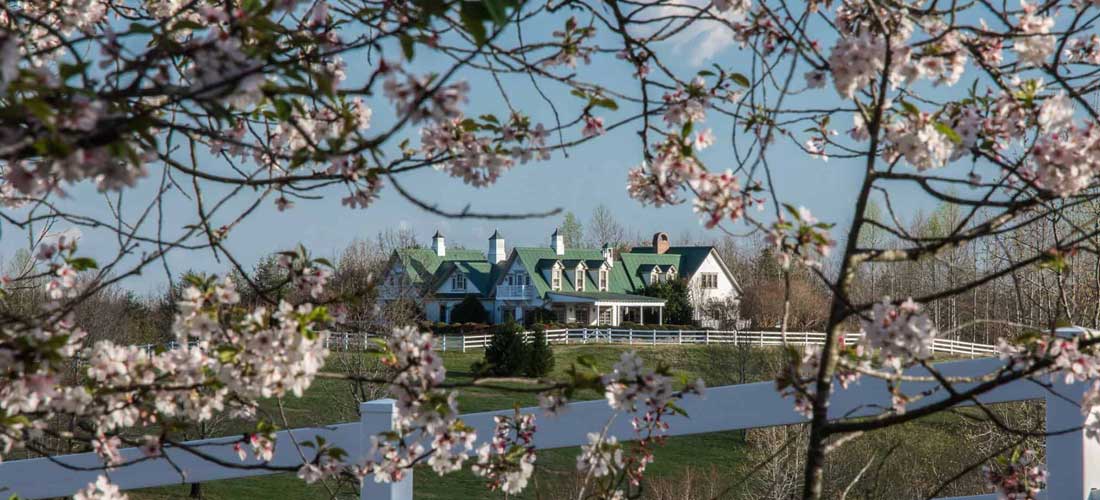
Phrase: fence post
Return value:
(680, 337)
(629, 336)
(735, 336)
(463, 343)
(375, 417)
(653, 339)
(1072, 458)
(444, 342)
(706, 338)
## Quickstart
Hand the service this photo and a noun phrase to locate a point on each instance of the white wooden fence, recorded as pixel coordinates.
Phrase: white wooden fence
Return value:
(448, 342)
(1073, 460)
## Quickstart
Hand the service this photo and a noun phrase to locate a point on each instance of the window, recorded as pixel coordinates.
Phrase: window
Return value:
(670, 274)
(655, 276)
(708, 280)
(555, 279)
(458, 282)
(526, 280)
(579, 280)
(603, 280)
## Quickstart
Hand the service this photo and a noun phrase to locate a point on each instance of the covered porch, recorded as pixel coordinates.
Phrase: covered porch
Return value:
(606, 309)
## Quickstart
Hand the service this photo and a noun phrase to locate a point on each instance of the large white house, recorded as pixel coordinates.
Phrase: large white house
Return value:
(581, 285)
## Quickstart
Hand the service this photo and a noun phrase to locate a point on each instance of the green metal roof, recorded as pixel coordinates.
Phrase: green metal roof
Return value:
(691, 257)
(536, 259)
(478, 273)
(626, 276)
(638, 265)
(422, 263)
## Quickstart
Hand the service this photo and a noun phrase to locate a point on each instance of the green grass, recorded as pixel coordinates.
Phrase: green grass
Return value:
(327, 403)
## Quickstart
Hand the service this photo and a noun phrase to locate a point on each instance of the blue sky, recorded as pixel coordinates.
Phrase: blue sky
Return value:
(593, 174)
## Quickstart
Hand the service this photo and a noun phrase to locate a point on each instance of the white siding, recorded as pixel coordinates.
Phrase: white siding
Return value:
(726, 289)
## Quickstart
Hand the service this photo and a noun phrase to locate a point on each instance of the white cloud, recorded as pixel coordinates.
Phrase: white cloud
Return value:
(700, 40)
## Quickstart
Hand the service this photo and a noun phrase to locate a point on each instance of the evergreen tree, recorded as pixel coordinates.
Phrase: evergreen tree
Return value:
(571, 230)
(540, 357)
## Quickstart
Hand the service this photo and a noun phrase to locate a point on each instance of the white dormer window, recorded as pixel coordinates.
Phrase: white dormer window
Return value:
(555, 278)
(603, 280)
(579, 279)
(670, 274)
(655, 276)
(458, 281)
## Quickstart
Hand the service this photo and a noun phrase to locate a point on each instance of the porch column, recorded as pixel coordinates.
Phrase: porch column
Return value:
(641, 315)
(660, 315)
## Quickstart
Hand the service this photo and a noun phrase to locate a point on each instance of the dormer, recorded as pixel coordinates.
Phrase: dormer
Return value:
(556, 271)
(670, 273)
(603, 279)
(578, 276)
(655, 275)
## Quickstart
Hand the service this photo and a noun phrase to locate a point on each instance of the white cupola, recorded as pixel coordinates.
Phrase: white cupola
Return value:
(496, 248)
(439, 244)
(557, 242)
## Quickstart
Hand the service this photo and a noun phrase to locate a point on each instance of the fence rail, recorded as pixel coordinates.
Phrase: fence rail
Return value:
(1073, 459)
(629, 336)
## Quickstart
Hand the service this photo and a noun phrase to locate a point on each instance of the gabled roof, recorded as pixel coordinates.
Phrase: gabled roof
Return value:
(691, 257)
(477, 272)
(421, 264)
(536, 259)
(639, 265)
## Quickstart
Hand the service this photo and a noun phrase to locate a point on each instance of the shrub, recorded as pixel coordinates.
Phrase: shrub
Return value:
(540, 357)
(506, 354)
(470, 310)
(678, 308)
(541, 315)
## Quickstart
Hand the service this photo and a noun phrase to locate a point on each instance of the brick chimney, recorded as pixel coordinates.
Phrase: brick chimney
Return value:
(660, 243)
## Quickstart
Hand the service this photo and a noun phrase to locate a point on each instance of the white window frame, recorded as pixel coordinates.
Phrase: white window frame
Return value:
(458, 281)
(654, 276)
(604, 278)
(708, 281)
(555, 279)
(578, 279)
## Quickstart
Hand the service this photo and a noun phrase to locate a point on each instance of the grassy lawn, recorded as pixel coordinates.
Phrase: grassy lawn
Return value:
(329, 402)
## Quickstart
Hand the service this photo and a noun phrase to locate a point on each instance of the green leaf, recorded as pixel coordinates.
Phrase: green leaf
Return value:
(282, 109)
(946, 130)
(705, 72)
(497, 11)
(587, 361)
(739, 79)
(605, 102)
(69, 70)
(83, 263)
(407, 44)
(909, 108)
(473, 15)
